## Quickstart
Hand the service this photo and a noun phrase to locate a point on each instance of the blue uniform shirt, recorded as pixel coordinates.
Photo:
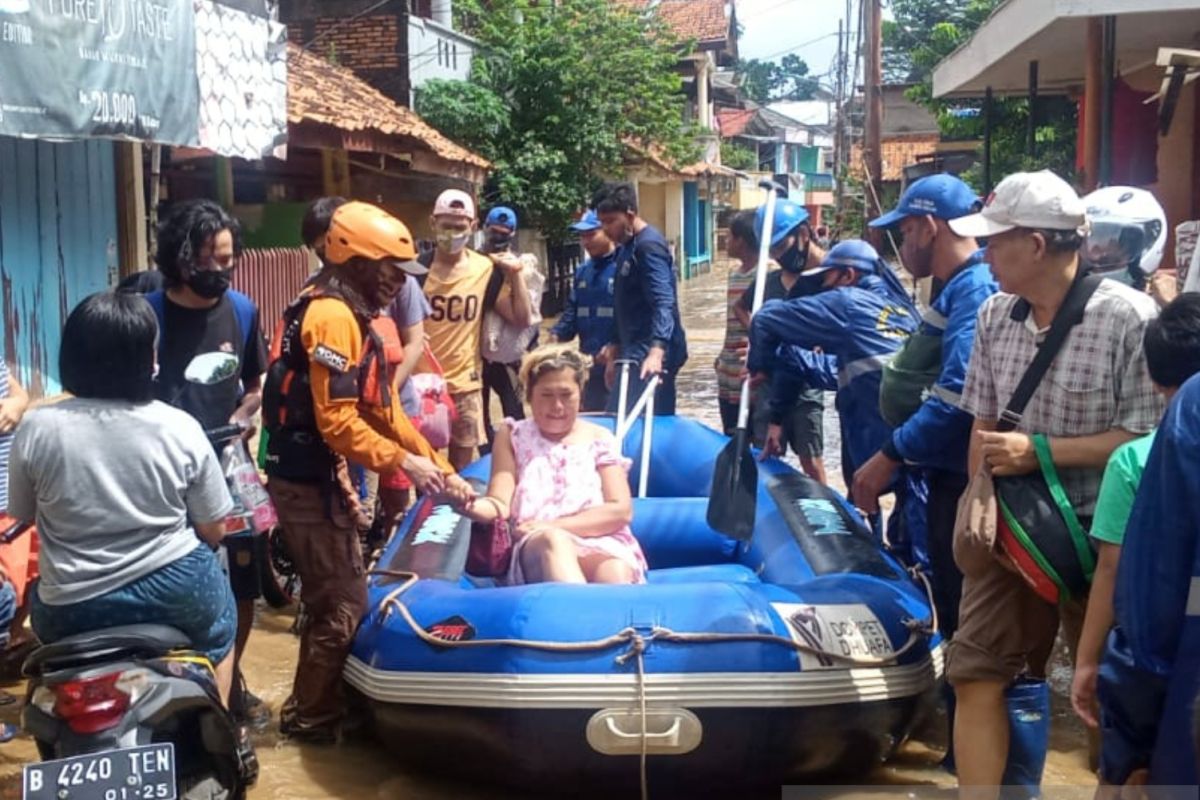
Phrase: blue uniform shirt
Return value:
(858, 328)
(647, 307)
(1150, 671)
(939, 433)
(589, 311)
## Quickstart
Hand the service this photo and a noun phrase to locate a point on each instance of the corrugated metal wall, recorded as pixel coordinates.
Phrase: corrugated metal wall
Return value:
(271, 277)
(58, 244)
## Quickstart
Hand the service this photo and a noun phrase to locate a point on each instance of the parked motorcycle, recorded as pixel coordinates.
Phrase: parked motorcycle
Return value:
(130, 713)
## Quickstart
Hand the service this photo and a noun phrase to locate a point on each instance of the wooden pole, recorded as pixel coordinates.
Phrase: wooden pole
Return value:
(131, 208)
(1107, 86)
(1091, 103)
(874, 104)
(156, 152)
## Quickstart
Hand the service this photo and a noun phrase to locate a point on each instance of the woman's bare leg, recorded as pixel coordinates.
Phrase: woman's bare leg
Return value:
(550, 556)
(224, 673)
(603, 568)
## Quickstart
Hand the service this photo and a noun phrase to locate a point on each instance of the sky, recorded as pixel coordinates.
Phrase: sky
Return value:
(808, 28)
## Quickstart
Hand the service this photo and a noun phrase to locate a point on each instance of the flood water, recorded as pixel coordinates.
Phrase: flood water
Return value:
(362, 769)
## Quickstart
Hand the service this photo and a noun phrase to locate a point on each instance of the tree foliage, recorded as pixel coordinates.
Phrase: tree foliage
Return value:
(767, 82)
(735, 156)
(556, 93)
(921, 34)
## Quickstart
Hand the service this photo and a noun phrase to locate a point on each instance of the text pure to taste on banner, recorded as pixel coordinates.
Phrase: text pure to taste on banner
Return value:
(113, 68)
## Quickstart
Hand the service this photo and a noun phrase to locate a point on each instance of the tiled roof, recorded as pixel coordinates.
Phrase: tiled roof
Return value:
(702, 20)
(734, 121)
(323, 93)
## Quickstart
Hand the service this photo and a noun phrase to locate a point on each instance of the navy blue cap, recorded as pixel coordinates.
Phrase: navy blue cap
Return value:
(502, 215)
(943, 196)
(849, 254)
(588, 222)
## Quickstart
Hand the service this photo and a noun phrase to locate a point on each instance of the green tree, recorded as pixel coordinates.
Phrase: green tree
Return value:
(556, 95)
(767, 82)
(735, 156)
(921, 34)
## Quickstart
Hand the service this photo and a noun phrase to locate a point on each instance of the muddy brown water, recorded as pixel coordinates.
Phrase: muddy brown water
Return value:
(363, 769)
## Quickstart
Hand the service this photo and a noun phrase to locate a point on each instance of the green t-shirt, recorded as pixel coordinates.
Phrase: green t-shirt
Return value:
(1119, 487)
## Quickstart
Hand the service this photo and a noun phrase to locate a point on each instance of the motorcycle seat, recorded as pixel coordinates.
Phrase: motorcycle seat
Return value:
(105, 644)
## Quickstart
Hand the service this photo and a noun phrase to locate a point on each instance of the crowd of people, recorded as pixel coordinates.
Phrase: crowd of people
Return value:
(1050, 347)
(929, 410)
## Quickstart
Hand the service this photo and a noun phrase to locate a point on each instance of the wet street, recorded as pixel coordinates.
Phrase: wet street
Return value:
(362, 769)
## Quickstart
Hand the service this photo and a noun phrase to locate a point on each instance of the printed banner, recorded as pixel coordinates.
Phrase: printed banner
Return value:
(107, 68)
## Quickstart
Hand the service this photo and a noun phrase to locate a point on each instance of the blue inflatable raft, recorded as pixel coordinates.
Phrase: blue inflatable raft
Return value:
(804, 651)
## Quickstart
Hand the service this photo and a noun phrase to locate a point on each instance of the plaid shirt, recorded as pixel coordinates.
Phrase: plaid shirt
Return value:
(1097, 382)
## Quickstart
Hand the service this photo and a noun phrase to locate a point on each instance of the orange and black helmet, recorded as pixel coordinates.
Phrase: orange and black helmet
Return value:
(367, 231)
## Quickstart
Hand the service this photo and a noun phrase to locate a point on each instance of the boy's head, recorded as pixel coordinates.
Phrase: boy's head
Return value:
(1172, 344)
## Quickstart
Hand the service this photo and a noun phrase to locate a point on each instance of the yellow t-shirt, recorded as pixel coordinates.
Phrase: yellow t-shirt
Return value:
(456, 323)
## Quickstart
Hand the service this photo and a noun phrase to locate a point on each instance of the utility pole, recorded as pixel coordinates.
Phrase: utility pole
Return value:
(873, 154)
(839, 122)
(841, 139)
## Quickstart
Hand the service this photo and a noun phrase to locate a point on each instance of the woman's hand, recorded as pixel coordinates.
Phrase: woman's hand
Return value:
(459, 493)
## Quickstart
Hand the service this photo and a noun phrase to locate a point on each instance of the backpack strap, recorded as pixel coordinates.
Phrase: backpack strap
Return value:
(158, 301)
(245, 310)
(1070, 314)
(495, 284)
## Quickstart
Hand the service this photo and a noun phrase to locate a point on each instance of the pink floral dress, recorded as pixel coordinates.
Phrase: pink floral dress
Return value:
(557, 479)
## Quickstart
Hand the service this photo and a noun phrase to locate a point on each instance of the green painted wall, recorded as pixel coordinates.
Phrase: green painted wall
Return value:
(271, 225)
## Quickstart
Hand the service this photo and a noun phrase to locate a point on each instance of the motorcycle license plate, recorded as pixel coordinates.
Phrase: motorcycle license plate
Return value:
(146, 772)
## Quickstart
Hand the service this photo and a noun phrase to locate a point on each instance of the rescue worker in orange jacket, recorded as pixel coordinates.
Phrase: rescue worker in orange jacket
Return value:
(330, 396)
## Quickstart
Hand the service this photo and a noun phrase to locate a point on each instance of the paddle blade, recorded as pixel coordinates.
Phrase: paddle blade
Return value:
(733, 501)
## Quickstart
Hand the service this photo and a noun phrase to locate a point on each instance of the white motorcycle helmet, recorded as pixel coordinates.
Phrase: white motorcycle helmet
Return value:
(1128, 234)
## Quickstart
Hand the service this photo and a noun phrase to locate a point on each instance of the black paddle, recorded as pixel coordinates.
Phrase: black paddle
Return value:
(733, 499)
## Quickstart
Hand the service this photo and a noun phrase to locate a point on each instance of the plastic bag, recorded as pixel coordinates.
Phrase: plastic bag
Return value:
(503, 342)
(437, 410)
(250, 498)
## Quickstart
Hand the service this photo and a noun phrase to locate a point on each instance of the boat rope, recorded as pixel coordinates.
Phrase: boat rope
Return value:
(918, 632)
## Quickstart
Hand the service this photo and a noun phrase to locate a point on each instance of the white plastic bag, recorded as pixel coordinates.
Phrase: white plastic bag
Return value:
(249, 495)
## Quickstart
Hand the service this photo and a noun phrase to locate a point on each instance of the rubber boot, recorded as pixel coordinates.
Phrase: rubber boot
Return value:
(1028, 702)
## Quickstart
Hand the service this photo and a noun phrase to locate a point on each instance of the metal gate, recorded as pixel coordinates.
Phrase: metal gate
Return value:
(561, 262)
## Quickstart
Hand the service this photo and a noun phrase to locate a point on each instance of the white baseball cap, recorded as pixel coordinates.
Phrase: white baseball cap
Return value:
(454, 203)
(1027, 200)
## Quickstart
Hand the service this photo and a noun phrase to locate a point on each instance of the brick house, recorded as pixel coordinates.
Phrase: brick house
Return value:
(391, 47)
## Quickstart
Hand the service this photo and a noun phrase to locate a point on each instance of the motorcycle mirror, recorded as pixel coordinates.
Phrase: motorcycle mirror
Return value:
(209, 369)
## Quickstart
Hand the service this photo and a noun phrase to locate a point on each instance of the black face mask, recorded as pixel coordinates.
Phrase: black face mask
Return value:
(794, 260)
(499, 242)
(209, 283)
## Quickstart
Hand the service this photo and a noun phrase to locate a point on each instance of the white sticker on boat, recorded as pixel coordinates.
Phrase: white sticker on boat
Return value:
(438, 527)
(850, 630)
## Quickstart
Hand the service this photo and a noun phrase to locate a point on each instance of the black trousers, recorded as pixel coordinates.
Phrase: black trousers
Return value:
(595, 393)
(945, 489)
(664, 397)
(501, 379)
